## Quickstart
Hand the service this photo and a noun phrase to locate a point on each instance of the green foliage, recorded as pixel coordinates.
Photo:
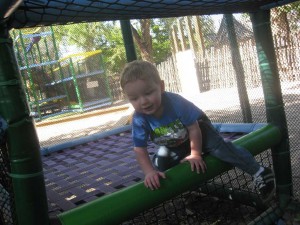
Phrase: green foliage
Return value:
(161, 38)
(208, 30)
(105, 36)
(293, 10)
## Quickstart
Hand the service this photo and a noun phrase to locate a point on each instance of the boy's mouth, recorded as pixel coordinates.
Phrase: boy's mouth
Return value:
(148, 108)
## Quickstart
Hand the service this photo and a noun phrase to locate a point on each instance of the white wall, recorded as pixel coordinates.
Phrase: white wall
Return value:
(187, 73)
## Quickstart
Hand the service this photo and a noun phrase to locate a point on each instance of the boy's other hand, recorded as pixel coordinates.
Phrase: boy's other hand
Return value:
(196, 162)
(152, 179)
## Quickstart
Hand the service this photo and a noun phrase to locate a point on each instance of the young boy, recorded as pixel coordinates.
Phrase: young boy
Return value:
(182, 130)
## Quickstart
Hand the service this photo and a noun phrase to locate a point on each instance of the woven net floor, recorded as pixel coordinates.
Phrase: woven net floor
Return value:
(83, 173)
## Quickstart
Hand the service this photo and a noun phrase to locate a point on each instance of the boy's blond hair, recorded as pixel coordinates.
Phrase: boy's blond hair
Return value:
(139, 70)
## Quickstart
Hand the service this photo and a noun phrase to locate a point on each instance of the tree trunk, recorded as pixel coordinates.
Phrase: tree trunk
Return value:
(144, 41)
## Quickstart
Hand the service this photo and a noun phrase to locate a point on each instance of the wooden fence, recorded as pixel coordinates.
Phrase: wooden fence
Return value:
(288, 55)
(215, 70)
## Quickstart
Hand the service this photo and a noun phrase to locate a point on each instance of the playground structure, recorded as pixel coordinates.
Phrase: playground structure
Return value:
(54, 84)
(115, 177)
(27, 176)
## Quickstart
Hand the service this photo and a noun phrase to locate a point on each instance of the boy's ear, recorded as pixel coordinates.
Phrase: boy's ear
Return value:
(162, 86)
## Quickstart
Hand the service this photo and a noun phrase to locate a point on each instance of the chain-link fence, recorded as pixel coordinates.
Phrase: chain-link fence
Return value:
(71, 79)
(221, 97)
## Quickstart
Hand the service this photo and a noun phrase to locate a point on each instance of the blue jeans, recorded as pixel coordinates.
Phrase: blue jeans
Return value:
(213, 144)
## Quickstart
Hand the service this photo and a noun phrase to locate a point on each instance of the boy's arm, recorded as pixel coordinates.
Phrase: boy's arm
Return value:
(151, 174)
(195, 137)
(195, 158)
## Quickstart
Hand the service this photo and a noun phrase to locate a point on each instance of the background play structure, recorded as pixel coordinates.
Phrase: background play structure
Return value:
(55, 84)
(88, 175)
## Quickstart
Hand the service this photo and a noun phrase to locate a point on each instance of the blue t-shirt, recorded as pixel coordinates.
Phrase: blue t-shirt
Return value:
(171, 128)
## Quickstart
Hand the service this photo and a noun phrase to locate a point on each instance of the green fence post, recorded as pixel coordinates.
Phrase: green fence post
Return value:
(274, 102)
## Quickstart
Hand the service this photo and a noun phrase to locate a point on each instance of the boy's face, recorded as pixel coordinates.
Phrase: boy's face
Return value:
(145, 96)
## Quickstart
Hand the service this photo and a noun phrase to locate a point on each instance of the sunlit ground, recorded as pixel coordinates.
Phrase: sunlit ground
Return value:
(212, 102)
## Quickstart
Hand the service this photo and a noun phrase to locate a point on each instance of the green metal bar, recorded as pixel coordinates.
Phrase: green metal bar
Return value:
(42, 67)
(107, 84)
(76, 84)
(23, 145)
(49, 59)
(239, 70)
(128, 40)
(61, 74)
(129, 202)
(274, 103)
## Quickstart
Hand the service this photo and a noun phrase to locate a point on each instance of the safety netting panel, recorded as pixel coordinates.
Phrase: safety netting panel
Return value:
(34, 13)
(7, 209)
(196, 45)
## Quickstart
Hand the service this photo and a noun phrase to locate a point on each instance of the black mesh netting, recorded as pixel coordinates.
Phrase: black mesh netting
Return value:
(33, 13)
(7, 212)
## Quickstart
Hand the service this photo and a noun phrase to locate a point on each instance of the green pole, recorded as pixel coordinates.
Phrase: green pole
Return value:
(129, 202)
(48, 58)
(26, 170)
(239, 70)
(42, 67)
(128, 40)
(107, 84)
(76, 84)
(274, 102)
(61, 74)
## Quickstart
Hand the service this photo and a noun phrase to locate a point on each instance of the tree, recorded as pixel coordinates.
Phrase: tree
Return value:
(280, 23)
(293, 14)
(143, 39)
(152, 38)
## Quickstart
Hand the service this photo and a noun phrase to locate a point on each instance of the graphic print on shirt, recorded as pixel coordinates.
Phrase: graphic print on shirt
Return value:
(170, 135)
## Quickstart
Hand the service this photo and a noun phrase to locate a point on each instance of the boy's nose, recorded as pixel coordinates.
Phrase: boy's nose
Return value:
(144, 100)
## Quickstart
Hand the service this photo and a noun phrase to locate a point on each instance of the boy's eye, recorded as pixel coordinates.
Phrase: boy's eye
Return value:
(149, 92)
(132, 99)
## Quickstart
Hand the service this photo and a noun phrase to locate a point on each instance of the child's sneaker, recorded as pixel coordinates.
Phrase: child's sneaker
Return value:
(265, 184)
